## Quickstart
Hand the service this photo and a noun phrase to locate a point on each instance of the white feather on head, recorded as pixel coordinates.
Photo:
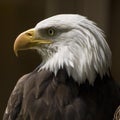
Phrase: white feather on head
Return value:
(79, 47)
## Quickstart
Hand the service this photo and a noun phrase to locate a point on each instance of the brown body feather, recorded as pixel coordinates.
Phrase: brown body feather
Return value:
(43, 96)
(117, 114)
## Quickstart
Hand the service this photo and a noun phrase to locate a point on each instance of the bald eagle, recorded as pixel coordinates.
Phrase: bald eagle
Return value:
(73, 82)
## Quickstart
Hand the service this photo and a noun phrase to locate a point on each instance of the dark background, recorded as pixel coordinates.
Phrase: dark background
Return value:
(19, 15)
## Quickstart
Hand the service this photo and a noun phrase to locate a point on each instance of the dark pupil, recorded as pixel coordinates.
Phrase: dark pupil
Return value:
(51, 32)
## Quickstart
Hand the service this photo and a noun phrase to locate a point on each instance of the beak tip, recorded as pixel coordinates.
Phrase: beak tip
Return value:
(16, 53)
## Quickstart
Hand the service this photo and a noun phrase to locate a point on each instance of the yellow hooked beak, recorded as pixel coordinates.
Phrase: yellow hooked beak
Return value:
(26, 40)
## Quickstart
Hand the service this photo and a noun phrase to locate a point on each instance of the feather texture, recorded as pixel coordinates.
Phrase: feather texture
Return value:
(80, 47)
(44, 96)
(74, 81)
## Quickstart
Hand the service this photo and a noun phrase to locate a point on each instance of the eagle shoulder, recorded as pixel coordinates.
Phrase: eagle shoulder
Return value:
(15, 101)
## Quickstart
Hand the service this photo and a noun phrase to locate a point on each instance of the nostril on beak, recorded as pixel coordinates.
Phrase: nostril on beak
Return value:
(29, 34)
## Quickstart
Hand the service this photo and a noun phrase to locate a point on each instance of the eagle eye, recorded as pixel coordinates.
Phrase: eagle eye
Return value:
(51, 31)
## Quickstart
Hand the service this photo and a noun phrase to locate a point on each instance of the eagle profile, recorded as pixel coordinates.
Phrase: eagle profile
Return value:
(73, 82)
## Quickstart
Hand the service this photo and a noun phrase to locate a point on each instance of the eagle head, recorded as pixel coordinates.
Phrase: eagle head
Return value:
(68, 41)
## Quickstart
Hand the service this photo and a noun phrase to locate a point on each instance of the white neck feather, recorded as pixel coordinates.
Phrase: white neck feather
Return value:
(84, 55)
(80, 63)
